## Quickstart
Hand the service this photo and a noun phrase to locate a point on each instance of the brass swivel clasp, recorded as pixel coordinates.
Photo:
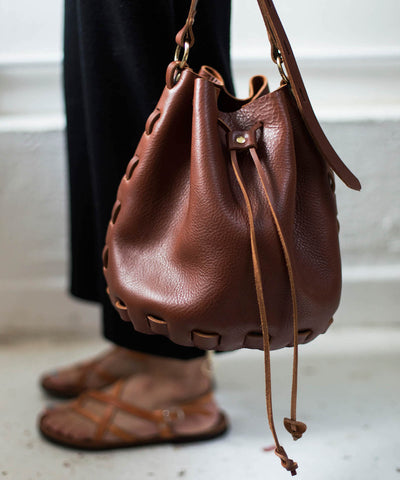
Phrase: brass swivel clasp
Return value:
(182, 61)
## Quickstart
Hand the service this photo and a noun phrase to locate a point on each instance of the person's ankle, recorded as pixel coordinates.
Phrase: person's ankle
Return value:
(190, 375)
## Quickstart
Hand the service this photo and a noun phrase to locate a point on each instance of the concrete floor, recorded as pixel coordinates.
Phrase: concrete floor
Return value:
(349, 395)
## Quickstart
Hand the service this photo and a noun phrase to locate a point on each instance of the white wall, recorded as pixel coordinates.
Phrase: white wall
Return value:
(322, 27)
(30, 30)
(351, 49)
(351, 67)
(33, 29)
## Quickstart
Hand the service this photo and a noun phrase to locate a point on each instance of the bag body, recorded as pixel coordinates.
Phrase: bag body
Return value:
(224, 234)
(178, 255)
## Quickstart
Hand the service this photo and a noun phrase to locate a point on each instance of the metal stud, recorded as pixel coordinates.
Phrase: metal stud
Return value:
(240, 139)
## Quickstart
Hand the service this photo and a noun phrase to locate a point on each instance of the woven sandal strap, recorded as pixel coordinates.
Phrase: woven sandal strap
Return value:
(193, 407)
(122, 434)
(102, 421)
(152, 416)
(163, 418)
(89, 367)
(197, 405)
(86, 413)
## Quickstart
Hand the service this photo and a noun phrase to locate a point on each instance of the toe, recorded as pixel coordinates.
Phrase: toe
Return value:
(63, 425)
(49, 381)
(48, 424)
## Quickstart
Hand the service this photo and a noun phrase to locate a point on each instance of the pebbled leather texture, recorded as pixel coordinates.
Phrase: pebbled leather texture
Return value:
(224, 234)
(177, 258)
(281, 49)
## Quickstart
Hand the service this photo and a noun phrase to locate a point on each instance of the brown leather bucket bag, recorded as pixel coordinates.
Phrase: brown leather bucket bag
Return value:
(224, 234)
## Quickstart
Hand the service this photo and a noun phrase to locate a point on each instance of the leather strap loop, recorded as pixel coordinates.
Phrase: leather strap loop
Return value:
(185, 34)
(287, 463)
(280, 46)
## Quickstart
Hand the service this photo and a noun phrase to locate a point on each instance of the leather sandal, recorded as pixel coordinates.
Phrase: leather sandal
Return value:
(73, 389)
(166, 421)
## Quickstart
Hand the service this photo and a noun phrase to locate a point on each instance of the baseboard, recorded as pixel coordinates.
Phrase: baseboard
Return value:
(49, 312)
(45, 310)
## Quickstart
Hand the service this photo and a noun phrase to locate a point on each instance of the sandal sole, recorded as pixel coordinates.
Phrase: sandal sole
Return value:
(60, 394)
(218, 430)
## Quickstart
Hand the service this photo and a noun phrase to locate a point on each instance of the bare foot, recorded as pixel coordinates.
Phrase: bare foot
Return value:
(114, 416)
(101, 371)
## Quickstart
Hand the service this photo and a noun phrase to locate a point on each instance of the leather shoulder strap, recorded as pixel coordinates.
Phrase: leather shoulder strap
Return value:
(282, 51)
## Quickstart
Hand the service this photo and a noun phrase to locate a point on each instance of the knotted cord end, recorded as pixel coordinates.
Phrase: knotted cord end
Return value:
(295, 428)
(286, 462)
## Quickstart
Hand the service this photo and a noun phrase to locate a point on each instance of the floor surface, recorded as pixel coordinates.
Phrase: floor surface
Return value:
(349, 395)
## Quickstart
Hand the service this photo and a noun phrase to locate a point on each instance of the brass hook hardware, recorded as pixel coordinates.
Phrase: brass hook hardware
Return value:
(280, 62)
(182, 61)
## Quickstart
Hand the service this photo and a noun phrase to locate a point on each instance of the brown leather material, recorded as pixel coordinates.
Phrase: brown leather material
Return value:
(226, 233)
(205, 341)
(258, 86)
(165, 419)
(185, 34)
(180, 248)
(178, 256)
(259, 285)
(253, 340)
(157, 326)
(295, 428)
(280, 47)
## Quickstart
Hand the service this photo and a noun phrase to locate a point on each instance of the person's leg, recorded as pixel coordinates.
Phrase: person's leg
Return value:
(116, 54)
(169, 401)
(114, 62)
(122, 53)
(124, 50)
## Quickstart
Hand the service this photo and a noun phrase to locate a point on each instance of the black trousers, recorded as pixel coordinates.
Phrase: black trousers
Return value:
(115, 56)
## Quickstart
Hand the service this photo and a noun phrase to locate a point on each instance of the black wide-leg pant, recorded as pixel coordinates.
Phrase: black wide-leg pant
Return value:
(115, 56)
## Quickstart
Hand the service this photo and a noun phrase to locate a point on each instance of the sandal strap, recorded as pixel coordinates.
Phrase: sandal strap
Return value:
(93, 367)
(86, 413)
(163, 418)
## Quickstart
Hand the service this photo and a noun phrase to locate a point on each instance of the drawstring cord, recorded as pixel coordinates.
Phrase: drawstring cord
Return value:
(294, 427)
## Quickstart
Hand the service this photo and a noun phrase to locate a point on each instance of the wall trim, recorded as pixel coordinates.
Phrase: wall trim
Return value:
(361, 85)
